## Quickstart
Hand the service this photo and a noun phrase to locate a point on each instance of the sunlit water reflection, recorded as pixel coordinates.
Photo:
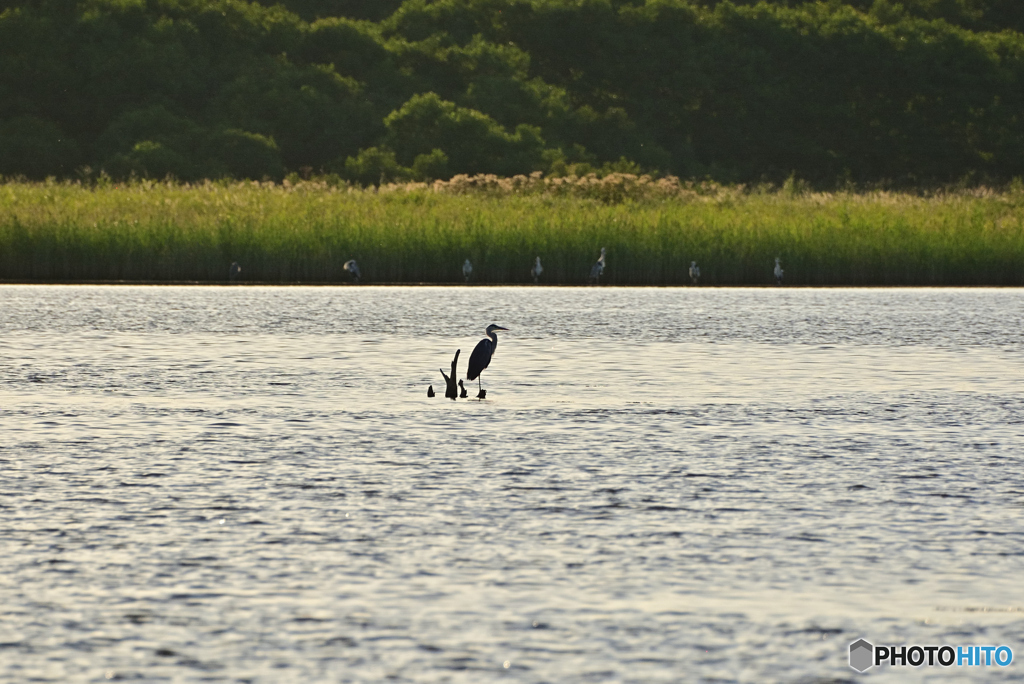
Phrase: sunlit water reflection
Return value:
(230, 484)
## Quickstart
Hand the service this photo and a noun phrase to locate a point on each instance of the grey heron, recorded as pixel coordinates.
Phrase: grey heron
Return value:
(353, 269)
(234, 271)
(778, 272)
(481, 356)
(467, 270)
(597, 270)
(536, 270)
(694, 272)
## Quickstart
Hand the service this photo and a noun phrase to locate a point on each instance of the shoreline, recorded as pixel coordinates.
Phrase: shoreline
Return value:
(297, 284)
(305, 234)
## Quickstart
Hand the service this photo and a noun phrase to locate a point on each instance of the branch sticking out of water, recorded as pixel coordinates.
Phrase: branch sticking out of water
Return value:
(452, 386)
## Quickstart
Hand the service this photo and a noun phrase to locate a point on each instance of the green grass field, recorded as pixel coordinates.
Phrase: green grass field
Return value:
(304, 232)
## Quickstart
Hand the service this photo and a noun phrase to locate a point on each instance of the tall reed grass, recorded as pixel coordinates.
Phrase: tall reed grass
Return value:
(305, 231)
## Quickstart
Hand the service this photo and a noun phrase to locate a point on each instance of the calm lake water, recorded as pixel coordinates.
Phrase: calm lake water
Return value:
(250, 484)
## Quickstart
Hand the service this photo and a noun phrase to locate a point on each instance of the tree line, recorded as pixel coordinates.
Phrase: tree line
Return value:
(836, 92)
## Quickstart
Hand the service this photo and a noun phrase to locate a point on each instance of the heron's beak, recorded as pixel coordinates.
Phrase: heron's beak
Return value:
(500, 328)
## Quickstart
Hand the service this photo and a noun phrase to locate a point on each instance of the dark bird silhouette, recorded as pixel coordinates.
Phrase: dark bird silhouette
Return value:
(430, 390)
(481, 357)
(234, 271)
(451, 389)
(462, 391)
(353, 269)
(536, 270)
(597, 270)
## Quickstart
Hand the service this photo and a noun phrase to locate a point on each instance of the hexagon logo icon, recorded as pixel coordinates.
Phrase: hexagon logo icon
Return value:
(862, 653)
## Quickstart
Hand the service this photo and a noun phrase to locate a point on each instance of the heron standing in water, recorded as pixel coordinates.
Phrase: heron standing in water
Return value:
(536, 270)
(481, 357)
(467, 270)
(694, 272)
(353, 269)
(597, 270)
(778, 272)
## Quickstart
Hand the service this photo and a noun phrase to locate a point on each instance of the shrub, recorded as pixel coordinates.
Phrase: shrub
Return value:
(374, 166)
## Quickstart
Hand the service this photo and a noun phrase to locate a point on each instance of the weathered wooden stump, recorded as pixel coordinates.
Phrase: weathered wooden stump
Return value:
(452, 387)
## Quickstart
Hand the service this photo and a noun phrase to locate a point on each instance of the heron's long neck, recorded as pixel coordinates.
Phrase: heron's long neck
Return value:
(494, 338)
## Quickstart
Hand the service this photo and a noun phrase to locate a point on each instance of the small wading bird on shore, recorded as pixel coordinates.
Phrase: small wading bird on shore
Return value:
(597, 270)
(353, 269)
(536, 270)
(481, 357)
(694, 272)
(467, 270)
(778, 272)
(234, 271)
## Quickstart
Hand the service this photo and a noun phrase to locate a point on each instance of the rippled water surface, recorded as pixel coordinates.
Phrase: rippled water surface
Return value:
(250, 484)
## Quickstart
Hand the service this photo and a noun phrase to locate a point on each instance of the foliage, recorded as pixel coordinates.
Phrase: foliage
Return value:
(375, 165)
(472, 141)
(916, 92)
(35, 147)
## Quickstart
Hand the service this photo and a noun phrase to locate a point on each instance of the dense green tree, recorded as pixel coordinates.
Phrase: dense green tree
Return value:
(916, 91)
(311, 10)
(36, 147)
(471, 141)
